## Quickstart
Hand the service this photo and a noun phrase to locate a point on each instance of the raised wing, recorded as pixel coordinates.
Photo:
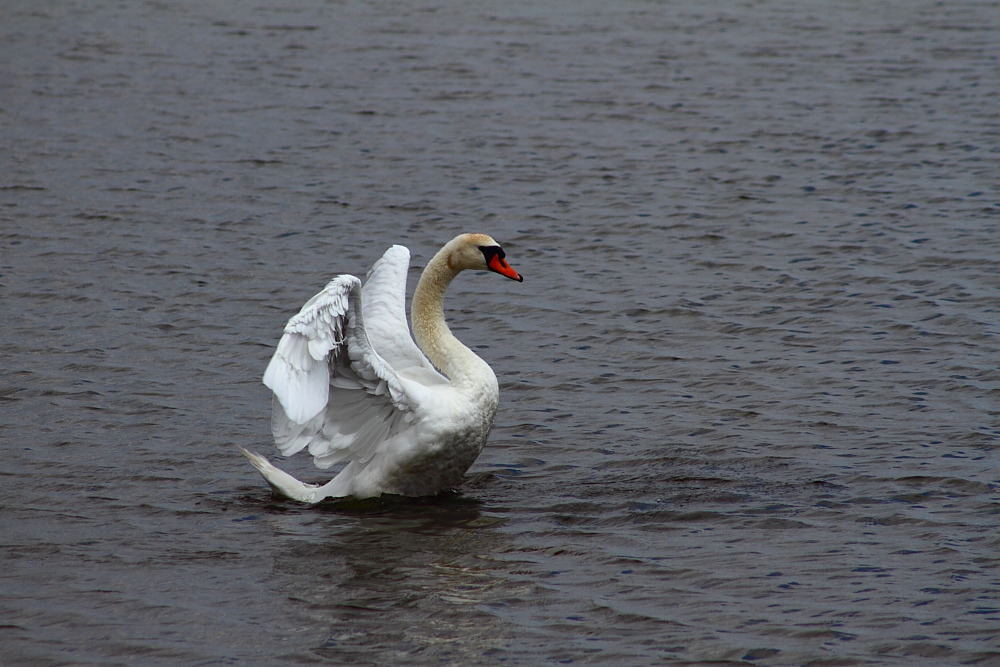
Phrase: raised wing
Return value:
(299, 371)
(334, 391)
(384, 304)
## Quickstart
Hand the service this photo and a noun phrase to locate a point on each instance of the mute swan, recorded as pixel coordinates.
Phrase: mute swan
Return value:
(350, 384)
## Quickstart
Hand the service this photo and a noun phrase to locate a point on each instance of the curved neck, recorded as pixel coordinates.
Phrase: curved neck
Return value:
(430, 329)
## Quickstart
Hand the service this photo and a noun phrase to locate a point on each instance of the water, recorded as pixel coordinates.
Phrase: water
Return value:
(749, 387)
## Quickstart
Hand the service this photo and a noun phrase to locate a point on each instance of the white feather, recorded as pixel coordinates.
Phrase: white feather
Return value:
(350, 384)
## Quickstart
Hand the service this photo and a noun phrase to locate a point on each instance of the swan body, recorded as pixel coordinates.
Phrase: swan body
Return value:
(351, 385)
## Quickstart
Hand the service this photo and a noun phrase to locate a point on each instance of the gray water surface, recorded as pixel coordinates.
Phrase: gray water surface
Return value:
(750, 403)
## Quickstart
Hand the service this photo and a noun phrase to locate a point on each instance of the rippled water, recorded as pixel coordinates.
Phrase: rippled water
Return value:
(749, 385)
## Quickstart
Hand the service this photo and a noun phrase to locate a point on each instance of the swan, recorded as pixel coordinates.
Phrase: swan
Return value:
(350, 385)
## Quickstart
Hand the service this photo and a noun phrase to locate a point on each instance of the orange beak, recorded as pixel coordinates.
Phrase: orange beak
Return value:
(500, 265)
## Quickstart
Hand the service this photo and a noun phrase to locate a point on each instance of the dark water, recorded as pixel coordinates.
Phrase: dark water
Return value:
(750, 393)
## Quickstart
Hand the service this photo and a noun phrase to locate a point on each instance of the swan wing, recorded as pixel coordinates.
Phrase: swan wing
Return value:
(333, 391)
(299, 373)
(384, 304)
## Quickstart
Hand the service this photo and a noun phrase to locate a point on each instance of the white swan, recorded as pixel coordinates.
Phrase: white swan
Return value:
(350, 384)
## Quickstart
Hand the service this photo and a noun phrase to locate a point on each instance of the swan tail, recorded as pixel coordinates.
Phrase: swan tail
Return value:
(283, 483)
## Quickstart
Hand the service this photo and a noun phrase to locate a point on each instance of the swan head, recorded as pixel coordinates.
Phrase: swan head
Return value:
(478, 252)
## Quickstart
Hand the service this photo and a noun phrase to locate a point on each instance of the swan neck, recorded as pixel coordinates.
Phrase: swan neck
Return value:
(430, 328)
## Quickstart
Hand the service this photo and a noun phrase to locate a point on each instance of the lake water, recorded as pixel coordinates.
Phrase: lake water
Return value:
(750, 399)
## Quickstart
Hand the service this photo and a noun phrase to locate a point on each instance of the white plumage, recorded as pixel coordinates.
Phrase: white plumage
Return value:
(351, 385)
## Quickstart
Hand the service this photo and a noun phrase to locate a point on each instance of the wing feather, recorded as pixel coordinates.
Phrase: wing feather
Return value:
(336, 371)
(298, 373)
(384, 299)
